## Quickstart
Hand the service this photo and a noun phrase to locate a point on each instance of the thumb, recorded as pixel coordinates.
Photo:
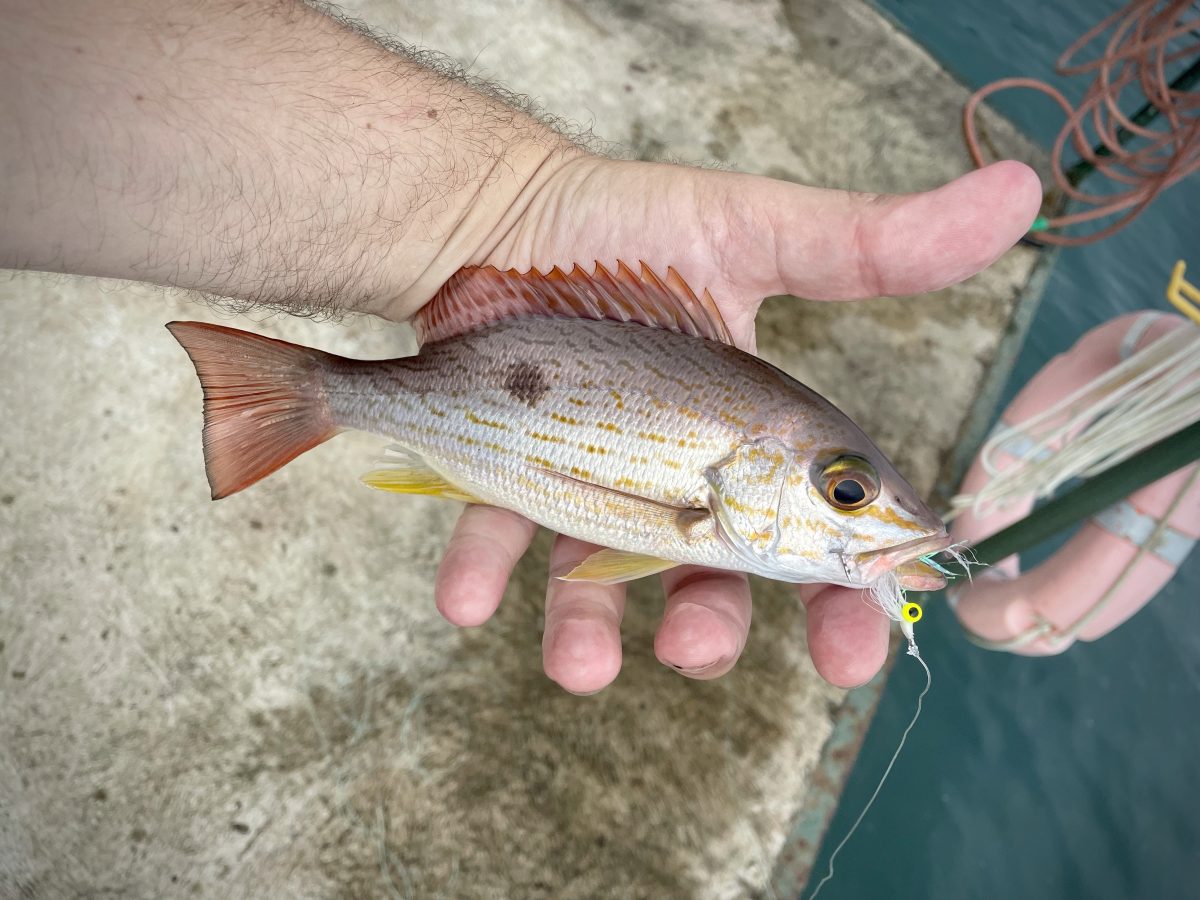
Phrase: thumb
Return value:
(834, 245)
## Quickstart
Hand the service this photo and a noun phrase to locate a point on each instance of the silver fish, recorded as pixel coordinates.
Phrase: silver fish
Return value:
(609, 407)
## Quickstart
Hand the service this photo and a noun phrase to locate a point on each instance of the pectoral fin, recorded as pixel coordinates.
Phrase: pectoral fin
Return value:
(616, 566)
(640, 511)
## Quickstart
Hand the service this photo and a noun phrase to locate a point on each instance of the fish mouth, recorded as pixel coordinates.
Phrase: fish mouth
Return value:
(905, 562)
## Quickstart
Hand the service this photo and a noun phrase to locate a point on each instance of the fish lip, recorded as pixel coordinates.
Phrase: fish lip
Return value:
(885, 559)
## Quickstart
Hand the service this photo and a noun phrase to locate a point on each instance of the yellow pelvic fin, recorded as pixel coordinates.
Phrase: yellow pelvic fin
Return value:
(416, 479)
(616, 566)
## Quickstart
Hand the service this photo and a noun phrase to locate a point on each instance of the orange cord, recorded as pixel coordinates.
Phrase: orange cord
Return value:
(1136, 52)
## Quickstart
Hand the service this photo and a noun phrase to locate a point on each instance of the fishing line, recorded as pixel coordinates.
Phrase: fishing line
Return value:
(915, 654)
(1135, 404)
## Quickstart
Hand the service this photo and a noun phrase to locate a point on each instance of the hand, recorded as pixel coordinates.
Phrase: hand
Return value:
(102, 176)
(744, 238)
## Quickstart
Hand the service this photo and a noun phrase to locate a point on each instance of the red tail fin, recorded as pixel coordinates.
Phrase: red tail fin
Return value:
(263, 405)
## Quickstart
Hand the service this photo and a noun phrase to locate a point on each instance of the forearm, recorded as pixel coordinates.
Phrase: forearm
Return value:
(261, 151)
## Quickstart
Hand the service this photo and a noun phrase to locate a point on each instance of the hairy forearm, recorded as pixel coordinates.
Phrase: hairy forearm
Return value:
(262, 151)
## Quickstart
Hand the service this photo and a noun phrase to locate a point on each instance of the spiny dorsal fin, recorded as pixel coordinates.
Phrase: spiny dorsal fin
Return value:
(475, 297)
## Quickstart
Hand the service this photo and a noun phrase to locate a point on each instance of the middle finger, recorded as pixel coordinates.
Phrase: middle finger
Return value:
(581, 646)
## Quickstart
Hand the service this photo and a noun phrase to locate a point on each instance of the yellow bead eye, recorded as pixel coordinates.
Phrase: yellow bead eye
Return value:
(849, 483)
(912, 612)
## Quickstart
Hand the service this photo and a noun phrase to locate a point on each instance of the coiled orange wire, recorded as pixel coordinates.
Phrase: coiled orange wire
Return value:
(1139, 51)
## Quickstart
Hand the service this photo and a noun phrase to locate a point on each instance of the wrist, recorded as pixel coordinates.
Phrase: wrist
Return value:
(465, 227)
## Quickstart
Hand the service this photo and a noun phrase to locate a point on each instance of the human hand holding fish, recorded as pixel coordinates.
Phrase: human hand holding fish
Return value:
(614, 401)
(744, 238)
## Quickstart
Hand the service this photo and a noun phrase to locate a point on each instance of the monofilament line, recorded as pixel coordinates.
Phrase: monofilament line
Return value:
(916, 654)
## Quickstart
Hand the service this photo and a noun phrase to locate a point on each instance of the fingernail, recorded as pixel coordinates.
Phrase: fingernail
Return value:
(704, 670)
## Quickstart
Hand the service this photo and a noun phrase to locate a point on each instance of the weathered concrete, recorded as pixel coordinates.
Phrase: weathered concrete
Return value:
(256, 697)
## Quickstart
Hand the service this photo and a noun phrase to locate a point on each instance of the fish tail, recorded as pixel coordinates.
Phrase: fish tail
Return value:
(263, 401)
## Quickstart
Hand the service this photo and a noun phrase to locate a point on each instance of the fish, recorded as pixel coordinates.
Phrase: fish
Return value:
(611, 406)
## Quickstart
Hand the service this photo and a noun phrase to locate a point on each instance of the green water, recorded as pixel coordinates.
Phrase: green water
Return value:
(1075, 776)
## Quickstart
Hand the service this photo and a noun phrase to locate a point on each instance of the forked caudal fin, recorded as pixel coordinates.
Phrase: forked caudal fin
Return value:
(263, 405)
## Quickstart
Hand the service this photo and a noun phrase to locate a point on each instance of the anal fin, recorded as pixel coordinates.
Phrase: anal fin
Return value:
(411, 475)
(616, 566)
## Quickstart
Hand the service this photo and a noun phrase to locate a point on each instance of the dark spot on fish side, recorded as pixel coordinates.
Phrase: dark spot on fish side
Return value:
(241, 827)
(100, 794)
(526, 382)
(8, 500)
(18, 674)
(432, 113)
(256, 525)
(329, 570)
(138, 834)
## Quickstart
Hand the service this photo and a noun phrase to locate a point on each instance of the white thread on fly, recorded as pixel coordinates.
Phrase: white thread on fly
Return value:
(888, 596)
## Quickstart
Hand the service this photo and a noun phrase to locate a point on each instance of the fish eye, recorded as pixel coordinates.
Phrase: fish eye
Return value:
(849, 483)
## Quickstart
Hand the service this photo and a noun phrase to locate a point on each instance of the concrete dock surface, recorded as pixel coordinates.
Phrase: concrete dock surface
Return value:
(257, 698)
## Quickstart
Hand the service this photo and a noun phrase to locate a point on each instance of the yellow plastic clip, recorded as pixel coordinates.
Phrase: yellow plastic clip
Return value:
(1184, 295)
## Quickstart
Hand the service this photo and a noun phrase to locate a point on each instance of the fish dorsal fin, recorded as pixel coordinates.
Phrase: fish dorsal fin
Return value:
(478, 296)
